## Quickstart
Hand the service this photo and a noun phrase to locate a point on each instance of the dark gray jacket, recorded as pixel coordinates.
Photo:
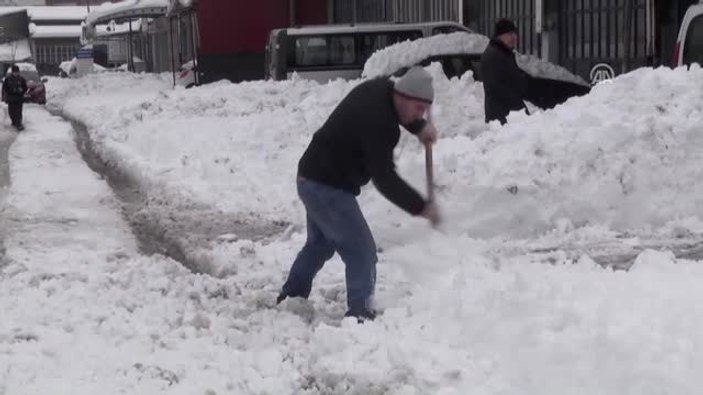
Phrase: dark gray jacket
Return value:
(13, 89)
(504, 83)
(356, 145)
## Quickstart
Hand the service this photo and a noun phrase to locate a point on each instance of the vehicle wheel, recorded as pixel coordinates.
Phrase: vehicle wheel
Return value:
(190, 86)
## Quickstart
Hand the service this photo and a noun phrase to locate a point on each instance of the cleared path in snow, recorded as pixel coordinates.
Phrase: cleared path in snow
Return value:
(182, 231)
(6, 139)
(55, 203)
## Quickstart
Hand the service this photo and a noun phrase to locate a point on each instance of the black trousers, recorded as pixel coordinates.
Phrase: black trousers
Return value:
(15, 110)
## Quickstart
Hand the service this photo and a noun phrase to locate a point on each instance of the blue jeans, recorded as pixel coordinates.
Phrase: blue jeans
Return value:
(334, 223)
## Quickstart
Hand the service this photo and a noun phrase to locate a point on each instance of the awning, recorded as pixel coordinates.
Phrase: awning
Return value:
(39, 31)
(127, 10)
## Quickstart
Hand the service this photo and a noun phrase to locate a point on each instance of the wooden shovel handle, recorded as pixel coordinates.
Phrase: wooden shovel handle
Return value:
(428, 172)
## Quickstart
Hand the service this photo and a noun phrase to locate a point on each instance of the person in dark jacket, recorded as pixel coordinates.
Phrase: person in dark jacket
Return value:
(14, 88)
(504, 83)
(353, 146)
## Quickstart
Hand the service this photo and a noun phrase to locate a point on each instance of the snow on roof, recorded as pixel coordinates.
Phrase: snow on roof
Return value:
(408, 53)
(63, 13)
(124, 9)
(388, 60)
(54, 31)
(118, 28)
(10, 10)
(15, 51)
(38, 13)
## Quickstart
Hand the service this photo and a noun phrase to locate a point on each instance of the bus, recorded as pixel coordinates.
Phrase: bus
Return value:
(326, 52)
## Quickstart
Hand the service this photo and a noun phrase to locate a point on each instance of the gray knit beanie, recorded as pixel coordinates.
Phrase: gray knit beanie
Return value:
(416, 84)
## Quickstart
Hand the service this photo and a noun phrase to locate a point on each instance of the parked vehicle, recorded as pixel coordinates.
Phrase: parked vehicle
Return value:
(186, 76)
(326, 52)
(36, 90)
(689, 44)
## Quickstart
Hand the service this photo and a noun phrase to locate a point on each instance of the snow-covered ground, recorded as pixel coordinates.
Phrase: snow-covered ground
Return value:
(497, 302)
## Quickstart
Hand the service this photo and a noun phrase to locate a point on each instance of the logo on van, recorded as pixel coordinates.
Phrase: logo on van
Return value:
(601, 72)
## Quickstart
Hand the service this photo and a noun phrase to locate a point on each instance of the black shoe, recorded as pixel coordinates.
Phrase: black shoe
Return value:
(281, 297)
(19, 128)
(362, 315)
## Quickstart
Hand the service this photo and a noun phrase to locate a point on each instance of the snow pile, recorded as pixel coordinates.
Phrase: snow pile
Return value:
(626, 156)
(405, 54)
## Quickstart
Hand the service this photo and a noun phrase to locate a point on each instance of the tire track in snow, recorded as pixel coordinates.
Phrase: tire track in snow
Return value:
(181, 231)
(6, 139)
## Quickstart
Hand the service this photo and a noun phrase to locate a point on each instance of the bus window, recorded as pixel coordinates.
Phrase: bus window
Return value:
(310, 51)
(332, 50)
(693, 47)
(342, 51)
(371, 42)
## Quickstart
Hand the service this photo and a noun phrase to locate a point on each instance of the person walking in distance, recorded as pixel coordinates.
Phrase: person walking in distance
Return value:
(14, 88)
(504, 83)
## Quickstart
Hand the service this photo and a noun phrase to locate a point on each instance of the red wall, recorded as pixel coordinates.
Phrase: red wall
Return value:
(228, 26)
(311, 12)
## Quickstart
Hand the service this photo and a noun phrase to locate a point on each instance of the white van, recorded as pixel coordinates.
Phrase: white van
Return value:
(689, 45)
(327, 52)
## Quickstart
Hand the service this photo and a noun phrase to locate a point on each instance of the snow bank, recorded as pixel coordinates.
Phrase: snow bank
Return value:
(625, 156)
(605, 159)
(405, 54)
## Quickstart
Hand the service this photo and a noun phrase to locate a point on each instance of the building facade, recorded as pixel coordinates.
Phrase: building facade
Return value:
(589, 37)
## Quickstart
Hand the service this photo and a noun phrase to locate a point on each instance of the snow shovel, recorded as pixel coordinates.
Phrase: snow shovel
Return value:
(429, 173)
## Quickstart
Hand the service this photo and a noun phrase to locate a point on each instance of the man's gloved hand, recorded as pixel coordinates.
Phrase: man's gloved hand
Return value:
(431, 213)
(428, 134)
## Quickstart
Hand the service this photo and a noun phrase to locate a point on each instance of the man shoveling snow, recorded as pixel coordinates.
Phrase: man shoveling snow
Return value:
(354, 146)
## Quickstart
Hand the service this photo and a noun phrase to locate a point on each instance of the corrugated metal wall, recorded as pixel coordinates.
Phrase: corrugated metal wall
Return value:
(351, 11)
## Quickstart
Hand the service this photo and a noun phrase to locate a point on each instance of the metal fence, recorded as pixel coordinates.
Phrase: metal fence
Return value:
(48, 53)
(619, 33)
(407, 11)
(584, 33)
